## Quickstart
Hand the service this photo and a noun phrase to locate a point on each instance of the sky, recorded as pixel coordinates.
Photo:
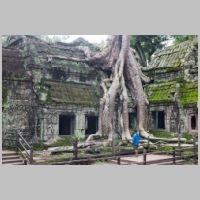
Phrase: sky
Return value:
(89, 38)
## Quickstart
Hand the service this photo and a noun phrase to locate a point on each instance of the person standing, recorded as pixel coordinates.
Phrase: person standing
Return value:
(136, 141)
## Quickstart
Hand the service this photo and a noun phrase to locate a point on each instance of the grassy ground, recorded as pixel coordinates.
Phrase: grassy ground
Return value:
(161, 133)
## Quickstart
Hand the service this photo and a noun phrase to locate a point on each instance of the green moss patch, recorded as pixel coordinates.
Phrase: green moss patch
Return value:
(4, 95)
(161, 93)
(188, 93)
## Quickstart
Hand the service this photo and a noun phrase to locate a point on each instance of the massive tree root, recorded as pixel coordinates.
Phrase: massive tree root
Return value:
(126, 76)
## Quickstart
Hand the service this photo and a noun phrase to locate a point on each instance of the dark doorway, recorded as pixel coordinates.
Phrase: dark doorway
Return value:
(91, 125)
(66, 124)
(161, 119)
(193, 122)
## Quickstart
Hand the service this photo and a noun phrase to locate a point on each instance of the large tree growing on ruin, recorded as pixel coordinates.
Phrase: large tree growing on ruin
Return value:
(126, 75)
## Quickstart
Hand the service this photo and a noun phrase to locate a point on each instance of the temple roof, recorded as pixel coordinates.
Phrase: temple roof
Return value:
(71, 93)
(185, 53)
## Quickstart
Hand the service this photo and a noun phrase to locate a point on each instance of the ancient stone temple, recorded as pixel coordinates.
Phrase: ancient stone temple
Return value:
(173, 91)
(46, 96)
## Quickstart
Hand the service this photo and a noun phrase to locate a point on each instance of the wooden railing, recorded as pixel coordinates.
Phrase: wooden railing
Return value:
(24, 148)
(174, 156)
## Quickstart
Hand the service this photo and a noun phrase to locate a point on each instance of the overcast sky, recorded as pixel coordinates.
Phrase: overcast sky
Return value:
(98, 38)
(89, 38)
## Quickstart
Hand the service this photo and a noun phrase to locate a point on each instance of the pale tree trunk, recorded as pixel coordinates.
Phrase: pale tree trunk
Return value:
(125, 72)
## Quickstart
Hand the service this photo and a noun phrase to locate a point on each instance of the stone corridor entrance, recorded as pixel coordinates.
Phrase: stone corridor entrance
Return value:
(66, 124)
(91, 125)
(158, 119)
(161, 119)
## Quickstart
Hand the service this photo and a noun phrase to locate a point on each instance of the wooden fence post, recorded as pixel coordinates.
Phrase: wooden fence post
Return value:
(194, 150)
(17, 141)
(75, 147)
(31, 156)
(174, 155)
(144, 157)
(148, 145)
(25, 162)
(119, 161)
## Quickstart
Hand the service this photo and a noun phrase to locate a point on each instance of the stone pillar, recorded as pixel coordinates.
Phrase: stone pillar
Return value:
(80, 123)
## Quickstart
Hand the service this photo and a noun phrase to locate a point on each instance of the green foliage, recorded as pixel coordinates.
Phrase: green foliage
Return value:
(146, 45)
(4, 95)
(182, 38)
(4, 40)
(187, 135)
(65, 141)
(39, 146)
(161, 133)
(165, 148)
(78, 136)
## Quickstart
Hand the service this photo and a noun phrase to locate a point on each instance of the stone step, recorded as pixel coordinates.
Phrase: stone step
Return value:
(10, 157)
(13, 161)
(9, 154)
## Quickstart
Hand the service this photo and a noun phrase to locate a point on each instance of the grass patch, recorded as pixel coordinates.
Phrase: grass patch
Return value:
(165, 148)
(65, 141)
(161, 133)
(187, 135)
(39, 147)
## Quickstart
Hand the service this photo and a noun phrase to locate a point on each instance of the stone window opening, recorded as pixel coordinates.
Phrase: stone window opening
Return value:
(161, 120)
(158, 119)
(91, 124)
(66, 124)
(193, 122)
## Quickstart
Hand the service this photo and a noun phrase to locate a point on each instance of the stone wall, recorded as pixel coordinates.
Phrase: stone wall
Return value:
(39, 86)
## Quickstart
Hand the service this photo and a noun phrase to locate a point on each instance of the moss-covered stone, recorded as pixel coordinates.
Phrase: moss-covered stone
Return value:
(188, 93)
(4, 95)
(72, 93)
(161, 93)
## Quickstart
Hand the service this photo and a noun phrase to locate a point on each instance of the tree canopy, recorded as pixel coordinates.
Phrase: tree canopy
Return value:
(182, 38)
(146, 45)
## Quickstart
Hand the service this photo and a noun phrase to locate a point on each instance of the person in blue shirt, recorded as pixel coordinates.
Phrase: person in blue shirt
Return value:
(136, 141)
